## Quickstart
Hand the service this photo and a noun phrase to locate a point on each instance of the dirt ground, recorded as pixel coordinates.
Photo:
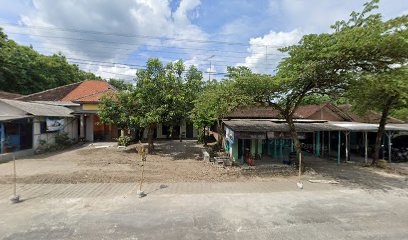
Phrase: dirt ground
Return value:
(172, 161)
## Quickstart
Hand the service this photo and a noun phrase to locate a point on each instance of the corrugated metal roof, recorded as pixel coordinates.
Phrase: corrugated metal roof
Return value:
(59, 103)
(38, 109)
(263, 125)
(370, 127)
(7, 118)
(268, 125)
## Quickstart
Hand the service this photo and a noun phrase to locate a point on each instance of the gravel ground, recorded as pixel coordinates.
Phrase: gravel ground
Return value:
(172, 161)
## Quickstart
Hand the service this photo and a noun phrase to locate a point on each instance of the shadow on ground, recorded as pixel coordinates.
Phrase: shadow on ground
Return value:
(187, 149)
(354, 175)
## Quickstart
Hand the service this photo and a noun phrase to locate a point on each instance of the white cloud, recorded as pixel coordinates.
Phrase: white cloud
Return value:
(126, 17)
(264, 50)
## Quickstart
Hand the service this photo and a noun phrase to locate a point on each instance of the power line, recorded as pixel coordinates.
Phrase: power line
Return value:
(136, 35)
(130, 44)
(169, 52)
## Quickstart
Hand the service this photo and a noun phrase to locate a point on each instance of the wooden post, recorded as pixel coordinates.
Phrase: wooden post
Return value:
(142, 152)
(14, 177)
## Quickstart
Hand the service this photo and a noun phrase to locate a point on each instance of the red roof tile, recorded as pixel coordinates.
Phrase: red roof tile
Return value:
(53, 94)
(89, 91)
(8, 95)
(303, 112)
(369, 117)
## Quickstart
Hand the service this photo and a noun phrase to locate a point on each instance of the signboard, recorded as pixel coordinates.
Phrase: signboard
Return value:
(283, 135)
(55, 124)
(229, 134)
(278, 135)
(250, 135)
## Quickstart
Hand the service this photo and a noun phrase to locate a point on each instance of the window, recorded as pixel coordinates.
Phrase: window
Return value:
(43, 127)
(165, 130)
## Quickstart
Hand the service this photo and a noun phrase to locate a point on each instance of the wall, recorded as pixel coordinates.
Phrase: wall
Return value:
(92, 107)
(71, 127)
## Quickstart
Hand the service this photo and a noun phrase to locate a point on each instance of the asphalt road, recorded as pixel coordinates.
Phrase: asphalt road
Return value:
(257, 210)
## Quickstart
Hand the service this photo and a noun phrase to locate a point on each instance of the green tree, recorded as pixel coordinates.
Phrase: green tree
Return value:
(382, 92)
(119, 109)
(376, 53)
(120, 84)
(25, 71)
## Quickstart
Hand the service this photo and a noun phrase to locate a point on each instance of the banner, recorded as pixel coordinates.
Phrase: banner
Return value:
(55, 124)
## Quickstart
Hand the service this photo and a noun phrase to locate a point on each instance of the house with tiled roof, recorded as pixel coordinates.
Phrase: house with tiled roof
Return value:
(27, 126)
(8, 95)
(84, 98)
(324, 111)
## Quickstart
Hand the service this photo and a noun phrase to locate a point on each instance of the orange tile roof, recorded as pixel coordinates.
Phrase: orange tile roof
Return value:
(89, 91)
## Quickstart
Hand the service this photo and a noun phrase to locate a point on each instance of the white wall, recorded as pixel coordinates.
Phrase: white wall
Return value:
(71, 127)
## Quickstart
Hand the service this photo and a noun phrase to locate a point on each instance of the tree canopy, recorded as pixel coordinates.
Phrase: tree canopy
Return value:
(24, 70)
(161, 95)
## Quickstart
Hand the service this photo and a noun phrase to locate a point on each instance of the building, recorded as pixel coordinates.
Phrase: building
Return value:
(324, 130)
(24, 126)
(8, 95)
(84, 99)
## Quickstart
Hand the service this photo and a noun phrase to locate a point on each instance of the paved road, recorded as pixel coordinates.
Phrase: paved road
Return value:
(253, 210)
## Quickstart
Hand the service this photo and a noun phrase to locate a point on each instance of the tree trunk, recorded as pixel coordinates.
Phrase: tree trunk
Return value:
(220, 136)
(296, 141)
(204, 137)
(381, 128)
(150, 138)
(181, 137)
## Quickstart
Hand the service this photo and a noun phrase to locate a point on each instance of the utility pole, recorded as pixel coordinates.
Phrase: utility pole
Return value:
(209, 72)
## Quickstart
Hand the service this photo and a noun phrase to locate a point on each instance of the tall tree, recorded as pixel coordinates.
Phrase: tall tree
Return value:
(382, 92)
(376, 52)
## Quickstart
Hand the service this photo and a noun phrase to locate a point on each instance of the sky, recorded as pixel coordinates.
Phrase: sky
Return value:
(113, 39)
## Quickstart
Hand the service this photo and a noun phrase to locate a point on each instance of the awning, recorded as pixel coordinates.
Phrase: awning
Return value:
(8, 118)
(268, 125)
(369, 127)
(258, 125)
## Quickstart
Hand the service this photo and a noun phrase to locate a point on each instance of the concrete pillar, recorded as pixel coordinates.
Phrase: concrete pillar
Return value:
(90, 128)
(338, 148)
(254, 146)
(275, 148)
(347, 147)
(235, 150)
(389, 136)
(81, 126)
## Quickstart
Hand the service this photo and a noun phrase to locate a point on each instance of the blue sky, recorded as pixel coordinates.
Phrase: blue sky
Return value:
(115, 38)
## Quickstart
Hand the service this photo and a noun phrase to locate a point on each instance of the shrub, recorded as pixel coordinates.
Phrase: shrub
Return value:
(62, 140)
(124, 141)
